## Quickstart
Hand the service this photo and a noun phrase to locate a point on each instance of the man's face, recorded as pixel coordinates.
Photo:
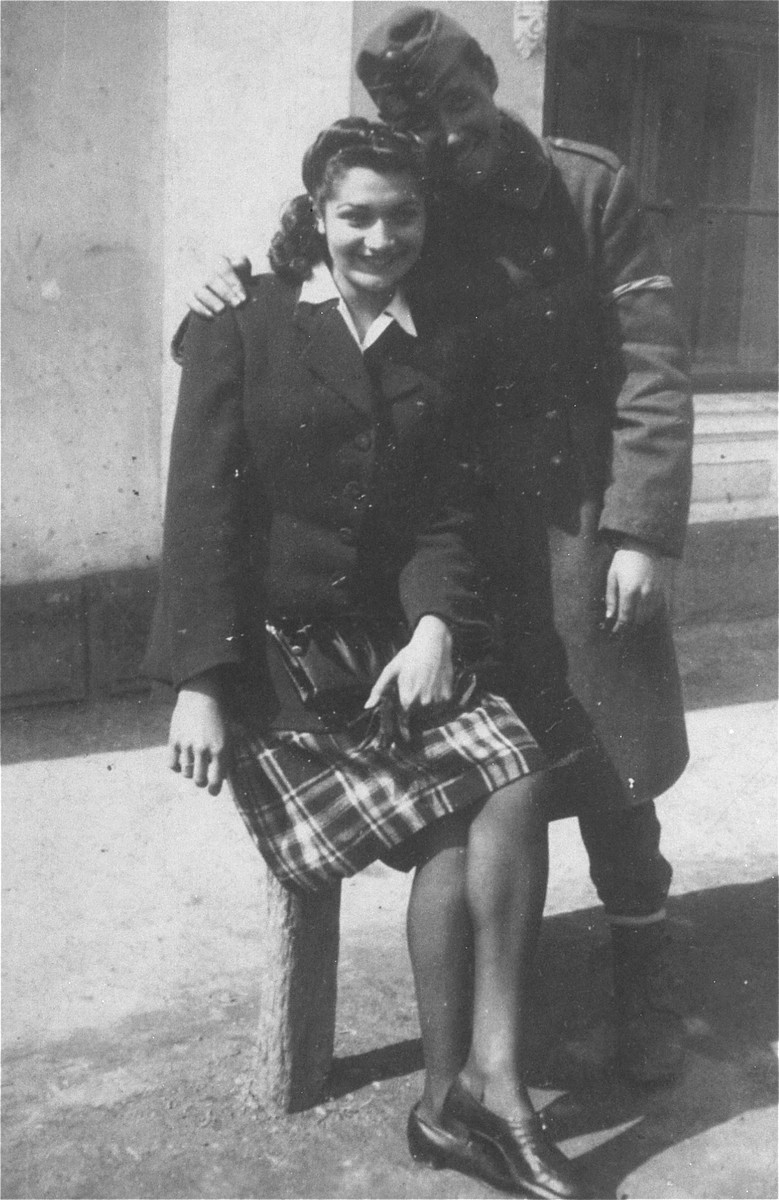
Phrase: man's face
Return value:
(463, 114)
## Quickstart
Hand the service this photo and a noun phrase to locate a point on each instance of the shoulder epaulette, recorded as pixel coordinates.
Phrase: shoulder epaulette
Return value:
(598, 153)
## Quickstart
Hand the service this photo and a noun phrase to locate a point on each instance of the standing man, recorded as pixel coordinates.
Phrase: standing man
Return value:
(587, 468)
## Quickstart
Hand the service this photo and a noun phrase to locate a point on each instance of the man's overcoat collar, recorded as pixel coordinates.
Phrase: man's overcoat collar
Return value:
(524, 168)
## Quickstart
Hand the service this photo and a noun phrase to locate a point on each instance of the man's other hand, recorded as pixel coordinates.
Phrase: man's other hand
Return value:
(638, 586)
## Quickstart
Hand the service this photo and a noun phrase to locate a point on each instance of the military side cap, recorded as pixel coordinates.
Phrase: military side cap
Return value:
(405, 59)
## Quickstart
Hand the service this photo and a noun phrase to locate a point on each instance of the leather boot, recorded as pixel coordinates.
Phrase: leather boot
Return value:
(650, 1030)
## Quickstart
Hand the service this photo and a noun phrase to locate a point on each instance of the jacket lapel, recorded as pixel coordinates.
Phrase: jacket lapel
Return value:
(406, 386)
(330, 353)
(398, 373)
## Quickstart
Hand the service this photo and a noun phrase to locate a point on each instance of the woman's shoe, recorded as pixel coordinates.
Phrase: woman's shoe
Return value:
(442, 1150)
(533, 1162)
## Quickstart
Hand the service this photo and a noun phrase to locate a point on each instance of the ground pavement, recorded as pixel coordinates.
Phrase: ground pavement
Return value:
(133, 946)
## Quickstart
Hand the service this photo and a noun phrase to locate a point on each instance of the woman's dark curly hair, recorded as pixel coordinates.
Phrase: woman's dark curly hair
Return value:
(352, 142)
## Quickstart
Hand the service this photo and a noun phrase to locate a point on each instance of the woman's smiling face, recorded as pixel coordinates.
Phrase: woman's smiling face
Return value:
(374, 225)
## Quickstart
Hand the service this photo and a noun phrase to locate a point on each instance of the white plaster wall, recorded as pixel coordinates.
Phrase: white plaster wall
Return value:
(139, 140)
(250, 85)
(82, 233)
(491, 22)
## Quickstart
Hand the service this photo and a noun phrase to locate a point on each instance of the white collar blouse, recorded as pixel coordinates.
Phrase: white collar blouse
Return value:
(321, 288)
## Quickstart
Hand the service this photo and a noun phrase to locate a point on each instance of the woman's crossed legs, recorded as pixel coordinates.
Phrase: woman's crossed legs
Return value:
(473, 922)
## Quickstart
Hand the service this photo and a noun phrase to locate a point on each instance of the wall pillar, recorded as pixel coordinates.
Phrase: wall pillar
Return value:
(83, 115)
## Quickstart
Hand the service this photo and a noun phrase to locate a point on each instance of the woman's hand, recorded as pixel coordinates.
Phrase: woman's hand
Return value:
(224, 287)
(198, 742)
(423, 670)
(637, 587)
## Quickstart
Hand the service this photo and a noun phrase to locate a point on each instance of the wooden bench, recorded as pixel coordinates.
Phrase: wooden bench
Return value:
(297, 996)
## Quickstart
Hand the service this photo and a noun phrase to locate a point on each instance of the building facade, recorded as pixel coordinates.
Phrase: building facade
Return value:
(142, 140)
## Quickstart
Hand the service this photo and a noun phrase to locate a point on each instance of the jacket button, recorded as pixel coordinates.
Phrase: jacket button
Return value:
(556, 460)
(347, 536)
(548, 253)
(353, 490)
(363, 441)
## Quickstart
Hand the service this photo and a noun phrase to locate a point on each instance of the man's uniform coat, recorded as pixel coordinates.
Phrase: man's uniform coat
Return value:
(585, 439)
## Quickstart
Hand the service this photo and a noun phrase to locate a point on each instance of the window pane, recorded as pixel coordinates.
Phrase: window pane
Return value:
(736, 322)
(686, 94)
(765, 171)
(733, 155)
(596, 87)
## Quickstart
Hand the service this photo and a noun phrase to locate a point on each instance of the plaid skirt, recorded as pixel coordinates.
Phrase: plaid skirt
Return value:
(321, 806)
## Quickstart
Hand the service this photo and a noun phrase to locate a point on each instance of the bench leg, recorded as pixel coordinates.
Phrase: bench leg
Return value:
(297, 996)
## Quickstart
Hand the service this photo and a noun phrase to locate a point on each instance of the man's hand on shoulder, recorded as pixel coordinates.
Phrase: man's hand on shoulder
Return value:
(225, 288)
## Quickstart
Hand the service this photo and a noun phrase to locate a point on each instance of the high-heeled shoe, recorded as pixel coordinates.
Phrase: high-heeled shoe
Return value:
(535, 1165)
(442, 1150)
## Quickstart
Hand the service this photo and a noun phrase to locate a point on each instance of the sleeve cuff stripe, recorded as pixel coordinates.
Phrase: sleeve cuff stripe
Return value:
(654, 283)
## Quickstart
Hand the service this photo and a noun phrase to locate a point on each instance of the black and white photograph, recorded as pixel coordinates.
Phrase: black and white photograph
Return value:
(389, 599)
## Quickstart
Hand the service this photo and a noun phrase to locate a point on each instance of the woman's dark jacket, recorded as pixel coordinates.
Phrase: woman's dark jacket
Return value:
(306, 479)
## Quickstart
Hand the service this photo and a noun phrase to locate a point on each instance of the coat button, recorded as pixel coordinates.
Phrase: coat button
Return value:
(548, 253)
(556, 460)
(347, 536)
(550, 314)
(363, 441)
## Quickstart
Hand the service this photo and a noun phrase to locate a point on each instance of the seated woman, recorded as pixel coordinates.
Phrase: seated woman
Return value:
(315, 533)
